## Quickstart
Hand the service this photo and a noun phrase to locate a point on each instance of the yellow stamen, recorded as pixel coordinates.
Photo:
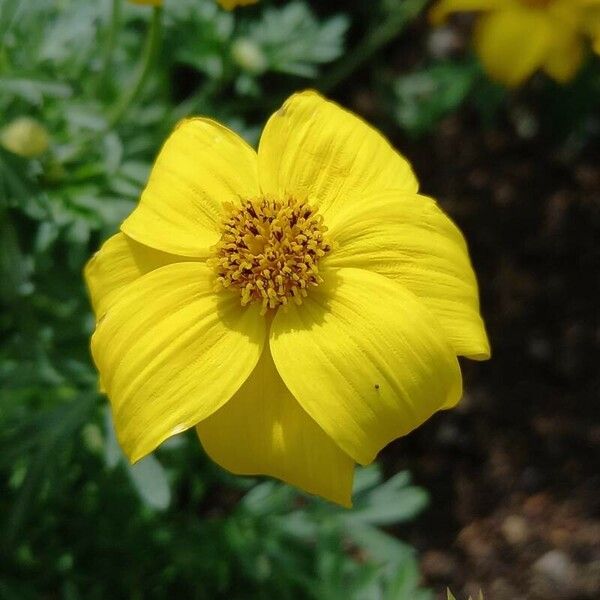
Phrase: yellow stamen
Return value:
(269, 250)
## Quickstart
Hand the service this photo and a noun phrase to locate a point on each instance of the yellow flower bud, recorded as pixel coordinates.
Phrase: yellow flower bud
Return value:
(249, 55)
(514, 39)
(26, 137)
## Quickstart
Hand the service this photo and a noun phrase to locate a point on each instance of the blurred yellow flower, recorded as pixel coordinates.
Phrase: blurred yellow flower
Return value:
(26, 137)
(231, 4)
(302, 305)
(515, 38)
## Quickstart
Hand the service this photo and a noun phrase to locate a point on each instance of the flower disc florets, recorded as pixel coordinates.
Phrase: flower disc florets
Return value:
(269, 251)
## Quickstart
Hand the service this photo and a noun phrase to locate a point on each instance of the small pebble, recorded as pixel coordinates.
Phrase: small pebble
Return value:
(515, 529)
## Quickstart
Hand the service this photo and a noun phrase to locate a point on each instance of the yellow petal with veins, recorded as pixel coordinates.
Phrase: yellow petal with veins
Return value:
(317, 152)
(408, 238)
(171, 352)
(365, 359)
(201, 167)
(120, 261)
(263, 430)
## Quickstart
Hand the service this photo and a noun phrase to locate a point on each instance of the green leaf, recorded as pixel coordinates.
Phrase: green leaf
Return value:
(150, 481)
(202, 32)
(61, 427)
(424, 97)
(293, 41)
(394, 501)
(381, 547)
(148, 476)
(17, 180)
(405, 583)
(366, 478)
(113, 454)
(268, 498)
(15, 269)
(35, 90)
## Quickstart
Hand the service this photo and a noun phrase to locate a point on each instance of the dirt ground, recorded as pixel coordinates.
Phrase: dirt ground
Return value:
(514, 471)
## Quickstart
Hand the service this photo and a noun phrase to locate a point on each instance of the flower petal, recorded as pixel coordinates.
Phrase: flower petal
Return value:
(263, 430)
(120, 261)
(171, 352)
(512, 44)
(440, 11)
(315, 151)
(408, 238)
(591, 24)
(201, 166)
(365, 359)
(565, 56)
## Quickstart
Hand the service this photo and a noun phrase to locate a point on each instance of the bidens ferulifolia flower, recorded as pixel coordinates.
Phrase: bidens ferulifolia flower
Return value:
(301, 306)
(515, 38)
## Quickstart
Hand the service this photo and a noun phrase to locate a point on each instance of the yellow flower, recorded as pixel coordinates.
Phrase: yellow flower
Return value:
(301, 305)
(26, 137)
(231, 4)
(515, 38)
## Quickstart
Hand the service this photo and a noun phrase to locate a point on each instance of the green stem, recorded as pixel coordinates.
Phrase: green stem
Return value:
(111, 40)
(377, 38)
(145, 65)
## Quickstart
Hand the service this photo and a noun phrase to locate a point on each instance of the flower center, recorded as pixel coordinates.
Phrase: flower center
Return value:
(537, 3)
(269, 250)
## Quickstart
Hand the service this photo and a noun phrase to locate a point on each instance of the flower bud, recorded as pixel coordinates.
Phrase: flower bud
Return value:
(26, 137)
(249, 56)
